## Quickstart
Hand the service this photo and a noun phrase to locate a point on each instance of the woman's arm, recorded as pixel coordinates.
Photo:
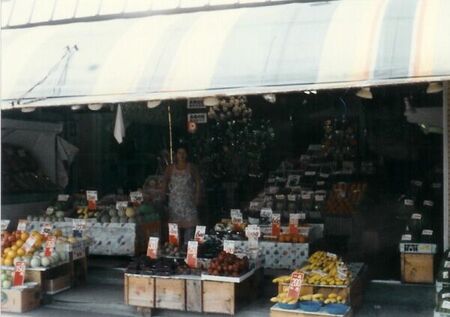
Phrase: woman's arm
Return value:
(166, 180)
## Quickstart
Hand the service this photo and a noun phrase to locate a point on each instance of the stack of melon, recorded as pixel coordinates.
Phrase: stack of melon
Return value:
(50, 215)
(113, 215)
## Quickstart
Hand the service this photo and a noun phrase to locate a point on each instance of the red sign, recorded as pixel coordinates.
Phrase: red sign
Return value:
(173, 234)
(191, 259)
(50, 245)
(295, 285)
(293, 223)
(152, 249)
(276, 228)
(19, 273)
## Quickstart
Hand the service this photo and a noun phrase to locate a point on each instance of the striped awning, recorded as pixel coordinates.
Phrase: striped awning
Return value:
(289, 47)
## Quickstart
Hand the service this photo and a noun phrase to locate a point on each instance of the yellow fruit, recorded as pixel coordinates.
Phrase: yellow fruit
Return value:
(6, 251)
(20, 252)
(274, 299)
(11, 254)
(34, 233)
(19, 243)
(8, 262)
(14, 247)
(24, 236)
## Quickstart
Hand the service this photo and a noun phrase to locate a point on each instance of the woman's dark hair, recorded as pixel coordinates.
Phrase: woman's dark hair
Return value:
(182, 146)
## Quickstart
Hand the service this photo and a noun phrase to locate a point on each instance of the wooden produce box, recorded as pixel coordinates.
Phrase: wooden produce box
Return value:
(78, 267)
(353, 292)
(226, 297)
(417, 267)
(139, 290)
(279, 312)
(18, 300)
(58, 284)
(170, 293)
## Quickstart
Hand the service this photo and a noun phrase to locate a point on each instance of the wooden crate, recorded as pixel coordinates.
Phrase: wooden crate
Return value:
(20, 300)
(139, 290)
(170, 293)
(417, 267)
(58, 284)
(78, 268)
(277, 312)
(227, 297)
(194, 289)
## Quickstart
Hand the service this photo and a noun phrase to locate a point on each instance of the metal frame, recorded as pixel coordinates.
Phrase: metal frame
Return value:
(445, 160)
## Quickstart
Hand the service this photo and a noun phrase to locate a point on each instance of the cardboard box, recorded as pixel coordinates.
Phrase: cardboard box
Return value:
(417, 268)
(17, 300)
(58, 284)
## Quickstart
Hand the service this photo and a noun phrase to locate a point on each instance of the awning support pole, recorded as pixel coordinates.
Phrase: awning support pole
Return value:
(170, 134)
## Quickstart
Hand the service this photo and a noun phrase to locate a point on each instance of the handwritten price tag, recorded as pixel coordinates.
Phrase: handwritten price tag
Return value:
(63, 198)
(266, 213)
(19, 273)
(78, 227)
(276, 224)
(22, 225)
(50, 245)
(200, 234)
(152, 249)
(4, 224)
(79, 250)
(229, 246)
(236, 216)
(92, 197)
(173, 234)
(293, 223)
(136, 197)
(29, 243)
(295, 285)
(253, 233)
(121, 205)
(192, 249)
(46, 228)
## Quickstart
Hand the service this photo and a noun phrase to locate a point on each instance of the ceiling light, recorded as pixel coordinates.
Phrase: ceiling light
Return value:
(28, 109)
(211, 101)
(153, 103)
(434, 88)
(95, 106)
(272, 98)
(76, 107)
(307, 92)
(314, 92)
(364, 93)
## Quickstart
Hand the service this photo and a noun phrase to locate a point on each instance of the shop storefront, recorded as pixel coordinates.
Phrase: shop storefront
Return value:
(320, 138)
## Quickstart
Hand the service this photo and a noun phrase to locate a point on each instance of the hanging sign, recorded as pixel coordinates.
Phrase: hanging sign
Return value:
(428, 203)
(173, 234)
(5, 224)
(195, 103)
(266, 213)
(200, 234)
(409, 202)
(276, 224)
(252, 232)
(19, 273)
(92, 197)
(416, 216)
(229, 246)
(198, 118)
(22, 225)
(293, 223)
(152, 248)
(191, 258)
(63, 198)
(295, 285)
(46, 228)
(136, 197)
(50, 245)
(29, 243)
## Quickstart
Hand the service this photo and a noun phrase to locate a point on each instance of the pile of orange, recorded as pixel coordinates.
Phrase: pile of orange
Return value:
(15, 249)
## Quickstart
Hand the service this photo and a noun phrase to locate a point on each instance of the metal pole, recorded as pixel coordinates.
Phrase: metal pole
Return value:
(170, 134)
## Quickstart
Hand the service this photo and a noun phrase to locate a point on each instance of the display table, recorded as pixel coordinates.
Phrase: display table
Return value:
(276, 311)
(417, 262)
(205, 293)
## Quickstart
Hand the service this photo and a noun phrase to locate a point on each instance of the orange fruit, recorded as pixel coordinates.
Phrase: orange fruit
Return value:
(14, 248)
(6, 250)
(20, 252)
(8, 262)
(34, 233)
(19, 243)
(24, 236)
(38, 243)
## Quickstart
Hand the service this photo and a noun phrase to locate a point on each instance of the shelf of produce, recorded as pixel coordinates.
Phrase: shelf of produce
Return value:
(228, 279)
(276, 311)
(353, 292)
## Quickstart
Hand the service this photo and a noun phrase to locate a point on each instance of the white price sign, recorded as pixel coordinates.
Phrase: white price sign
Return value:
(91, 195)
(236, 216)
(22, 225)
(200, 234)
(136, 197)
(5, 224)
(152, 248)
(63, 198)
(266, 213)
(121, 205)
(78, 250)
(229, 246)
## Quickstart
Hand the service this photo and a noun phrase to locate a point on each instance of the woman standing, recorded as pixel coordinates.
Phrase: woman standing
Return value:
(182, 183)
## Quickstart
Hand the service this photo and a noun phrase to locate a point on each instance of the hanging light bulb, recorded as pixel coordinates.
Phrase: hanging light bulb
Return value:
(364, 93)
(434, 88)
(28, 109)
(314, 92)
(153, 103)
(95, 106)
(211, 101)
(272, 98)
(307, 92)
(75, 107)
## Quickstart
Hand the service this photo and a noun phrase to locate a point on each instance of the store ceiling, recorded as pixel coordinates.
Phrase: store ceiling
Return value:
(282, 48)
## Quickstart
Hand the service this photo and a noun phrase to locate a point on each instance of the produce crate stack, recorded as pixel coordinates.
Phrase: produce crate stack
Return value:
(417, 245)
